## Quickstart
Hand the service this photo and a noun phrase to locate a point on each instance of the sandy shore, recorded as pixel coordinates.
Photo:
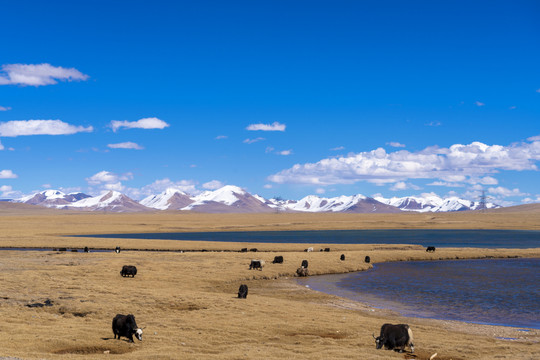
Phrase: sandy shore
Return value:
(187, 301)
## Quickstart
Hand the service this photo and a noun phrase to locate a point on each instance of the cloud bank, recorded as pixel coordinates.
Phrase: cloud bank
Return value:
(37, 75)
(146, 123)
(40, 127)
(378, 166)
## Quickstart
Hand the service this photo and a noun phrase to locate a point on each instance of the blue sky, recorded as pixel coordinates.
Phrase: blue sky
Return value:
(282, 98)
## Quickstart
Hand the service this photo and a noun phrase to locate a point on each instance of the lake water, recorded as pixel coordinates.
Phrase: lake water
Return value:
(439, 238)
(496, 291)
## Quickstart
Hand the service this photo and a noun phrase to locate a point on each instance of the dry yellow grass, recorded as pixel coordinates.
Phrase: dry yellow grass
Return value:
(187, 301)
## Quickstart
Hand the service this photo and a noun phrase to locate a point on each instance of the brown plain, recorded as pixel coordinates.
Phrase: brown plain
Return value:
(187, 301)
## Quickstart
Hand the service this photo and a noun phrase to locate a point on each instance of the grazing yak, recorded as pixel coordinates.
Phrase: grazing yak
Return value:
(278, 260)
(256, 264)
(128, 270)
(302, 271)
(430, 249)
(86, 249)
(342, 257)
(367, 259)
(125, 325)
(395, 337)
(117, 250)
(304, 264)
(309, 249)
(327, 249)
(254, 250)
(242, 291)
(244, 250)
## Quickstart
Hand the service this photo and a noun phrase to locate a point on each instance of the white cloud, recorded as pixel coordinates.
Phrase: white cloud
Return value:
(444, 183)
(220, 137)
(40, 127)
(7, 192)
(285, 152)
(251, 141)
(454, 178)
(213, 185)
(487, 180)
(146, 123)
(158, 186)
(338, 148)
(538, 90)
(4, 108)
(320, 191)
(512, 107)
(534, 138)
(126, 145)
(7, 174)
(395, 144)
(529, 200)
(434, 123)
(267, 186)
(504, 192)
(1, 146)
(267, 127)
(114, 186)
(108, 178)
(379, 167)
(37, 75)
(401, 185)
(478, 103)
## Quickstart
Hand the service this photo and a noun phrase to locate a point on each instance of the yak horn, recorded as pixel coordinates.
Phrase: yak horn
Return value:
(432, 356)
(373, 336)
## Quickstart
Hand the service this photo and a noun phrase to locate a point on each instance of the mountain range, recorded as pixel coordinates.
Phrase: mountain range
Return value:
(233, 199)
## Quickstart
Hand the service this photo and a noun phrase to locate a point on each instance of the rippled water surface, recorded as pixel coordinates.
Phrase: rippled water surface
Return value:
(494, 291)
(440, 238)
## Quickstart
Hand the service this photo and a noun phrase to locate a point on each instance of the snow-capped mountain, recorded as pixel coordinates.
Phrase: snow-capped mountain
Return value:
(233, 199)
(170, 199)
(433, 203)
(52, 198)
(112, 201)
(227, 199)
(351, 204)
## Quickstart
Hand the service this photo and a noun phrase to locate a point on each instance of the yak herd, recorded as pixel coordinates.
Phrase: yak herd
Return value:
(391, 337)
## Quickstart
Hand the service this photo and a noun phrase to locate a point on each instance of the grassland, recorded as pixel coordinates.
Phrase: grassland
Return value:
(187, 301)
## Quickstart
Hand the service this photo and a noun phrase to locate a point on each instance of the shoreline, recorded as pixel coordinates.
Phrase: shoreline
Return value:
(273, 290)
(328, 286)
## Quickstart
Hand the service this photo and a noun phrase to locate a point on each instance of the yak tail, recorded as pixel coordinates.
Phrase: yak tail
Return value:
(411, 340)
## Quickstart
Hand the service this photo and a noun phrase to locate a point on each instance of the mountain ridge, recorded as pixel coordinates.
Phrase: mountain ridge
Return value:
(233, 199)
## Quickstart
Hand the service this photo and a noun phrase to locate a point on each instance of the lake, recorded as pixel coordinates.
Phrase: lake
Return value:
(521, 239)
(496, 291)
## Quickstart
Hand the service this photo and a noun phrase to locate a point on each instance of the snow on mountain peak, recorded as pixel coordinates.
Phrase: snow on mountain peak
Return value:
(314, 203)
(226, 195)
(171, 198)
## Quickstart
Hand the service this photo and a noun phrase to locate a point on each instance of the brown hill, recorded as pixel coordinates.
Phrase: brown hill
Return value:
(534, 208)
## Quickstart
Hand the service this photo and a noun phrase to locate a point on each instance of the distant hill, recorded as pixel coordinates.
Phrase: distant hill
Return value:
(7, 207)
(519, 208)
